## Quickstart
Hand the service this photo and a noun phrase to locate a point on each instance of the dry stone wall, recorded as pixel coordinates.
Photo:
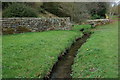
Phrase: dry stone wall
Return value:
(97, 22)
(21, 25)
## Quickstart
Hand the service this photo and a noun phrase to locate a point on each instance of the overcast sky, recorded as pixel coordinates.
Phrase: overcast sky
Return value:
(116, 2)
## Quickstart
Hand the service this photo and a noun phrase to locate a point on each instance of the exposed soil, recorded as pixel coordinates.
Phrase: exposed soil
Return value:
(62, 68)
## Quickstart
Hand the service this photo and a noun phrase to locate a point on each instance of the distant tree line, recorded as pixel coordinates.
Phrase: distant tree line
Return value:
(77, 11)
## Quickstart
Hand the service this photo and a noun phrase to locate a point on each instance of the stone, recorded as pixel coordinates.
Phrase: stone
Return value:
(37, 24)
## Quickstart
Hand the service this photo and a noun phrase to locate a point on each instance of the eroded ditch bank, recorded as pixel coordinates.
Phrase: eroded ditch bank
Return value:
(62, 68)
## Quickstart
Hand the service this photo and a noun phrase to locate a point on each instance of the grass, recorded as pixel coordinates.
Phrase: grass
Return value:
(32, 55)
(98, 57)
(79, 27)
(83, 28)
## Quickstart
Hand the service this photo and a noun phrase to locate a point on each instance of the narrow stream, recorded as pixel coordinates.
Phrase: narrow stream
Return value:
(62, 69)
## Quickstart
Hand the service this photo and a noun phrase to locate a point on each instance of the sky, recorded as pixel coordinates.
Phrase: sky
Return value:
(116, 2)
(60, 0)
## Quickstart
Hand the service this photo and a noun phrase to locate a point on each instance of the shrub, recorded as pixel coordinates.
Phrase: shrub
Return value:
(57, 9)
(22, 29)
(8, 31)
(96, 16)
(19, 10)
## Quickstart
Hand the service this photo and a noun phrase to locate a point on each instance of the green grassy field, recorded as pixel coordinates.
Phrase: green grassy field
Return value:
(33, 54)
(98, 57)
